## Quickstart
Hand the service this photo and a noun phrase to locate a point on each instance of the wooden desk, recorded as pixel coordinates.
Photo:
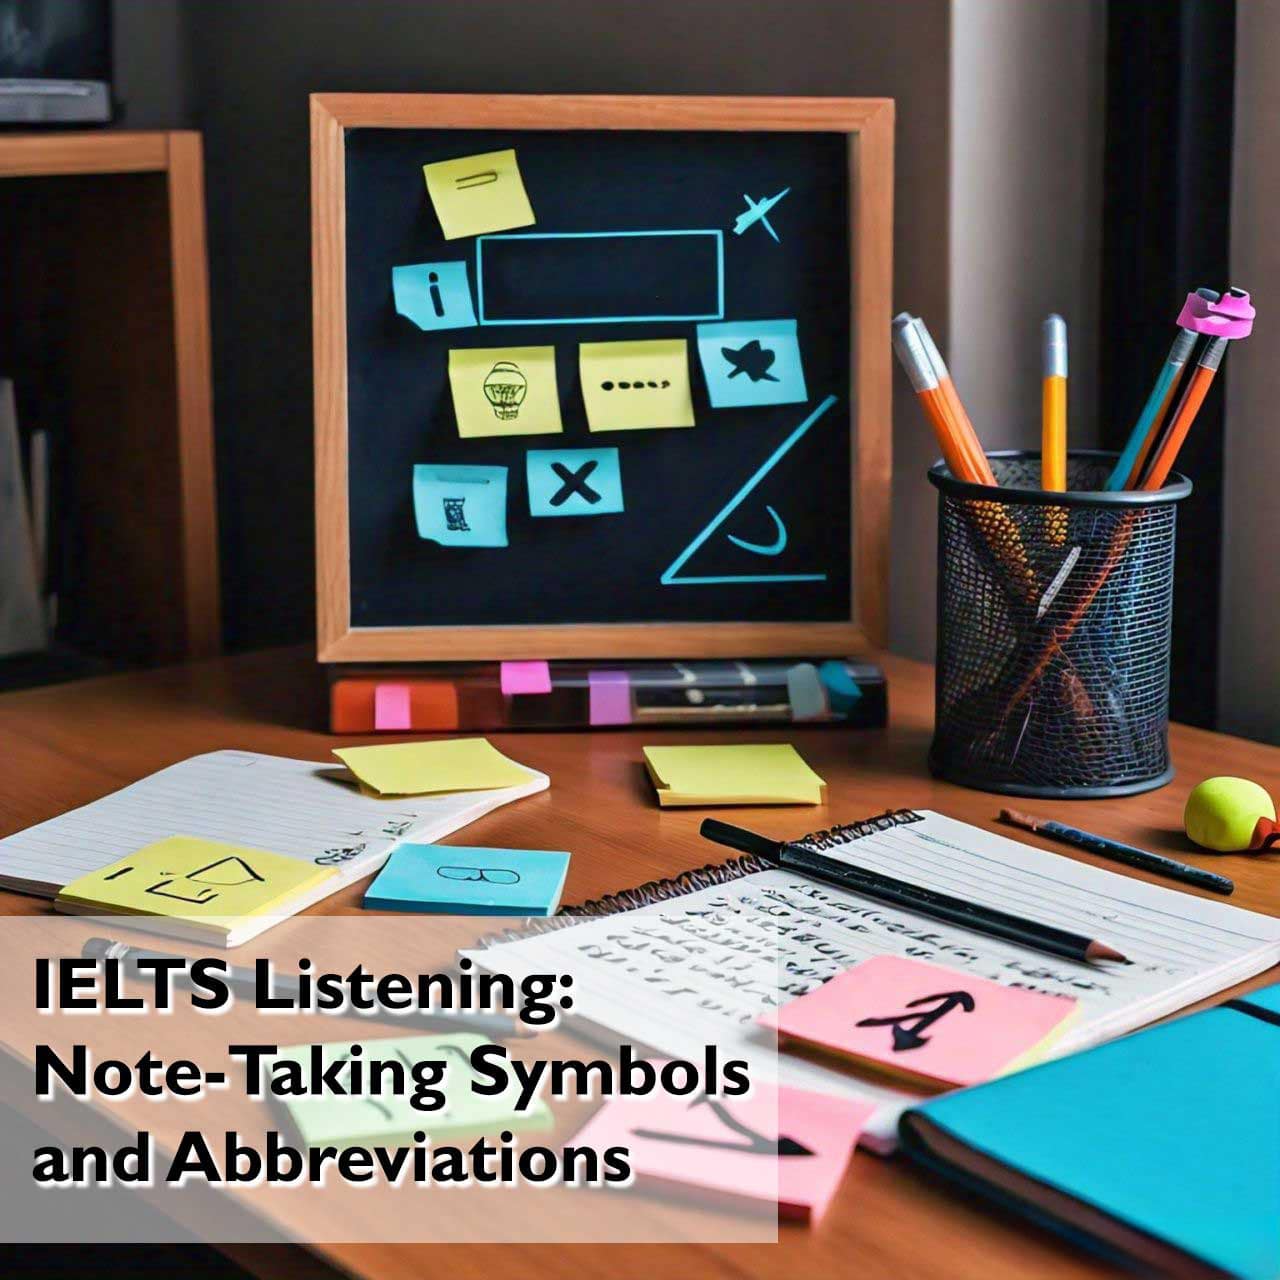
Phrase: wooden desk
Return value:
(64, 746)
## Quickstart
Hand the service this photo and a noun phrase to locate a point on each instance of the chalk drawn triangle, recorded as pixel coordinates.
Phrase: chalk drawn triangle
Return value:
(671, 576)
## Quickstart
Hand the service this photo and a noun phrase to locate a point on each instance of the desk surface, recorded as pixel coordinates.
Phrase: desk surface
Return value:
(67, 745)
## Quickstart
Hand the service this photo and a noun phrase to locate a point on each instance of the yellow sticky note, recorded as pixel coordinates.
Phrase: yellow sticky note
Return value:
(633, 386)
(475, 195)
(746, 773)
(415, 768)
(505, 391)
(189, 878)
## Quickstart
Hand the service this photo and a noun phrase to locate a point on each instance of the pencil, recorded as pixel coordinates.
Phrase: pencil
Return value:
(1118, 852)
(1165, 452)
(924, 382)
(961, 424)
(913, 897)
(1053, 443)
(1130, 463)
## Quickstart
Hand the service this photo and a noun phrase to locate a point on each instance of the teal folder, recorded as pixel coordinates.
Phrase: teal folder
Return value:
(1161, 1148)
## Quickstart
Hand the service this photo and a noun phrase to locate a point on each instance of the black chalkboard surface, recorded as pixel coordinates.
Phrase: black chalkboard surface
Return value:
(675, 482)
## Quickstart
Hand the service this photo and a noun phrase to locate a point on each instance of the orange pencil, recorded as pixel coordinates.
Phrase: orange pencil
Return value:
(1165, 452)
(968, 437)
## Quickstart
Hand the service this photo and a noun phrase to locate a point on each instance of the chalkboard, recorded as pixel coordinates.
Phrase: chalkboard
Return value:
(742, 522)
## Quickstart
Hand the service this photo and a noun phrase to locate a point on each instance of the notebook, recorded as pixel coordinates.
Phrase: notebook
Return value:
(741, 773)
(926, 1024)
(296, 808)
(657, 969)
(203, 889)
(1162, 1148)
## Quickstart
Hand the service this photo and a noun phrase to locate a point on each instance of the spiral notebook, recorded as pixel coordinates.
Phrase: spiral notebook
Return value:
(677, 964)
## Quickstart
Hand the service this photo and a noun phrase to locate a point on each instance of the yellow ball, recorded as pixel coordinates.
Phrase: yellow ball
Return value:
(1221, 813)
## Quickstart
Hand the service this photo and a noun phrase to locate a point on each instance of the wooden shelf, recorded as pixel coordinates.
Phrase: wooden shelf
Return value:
(106, 305)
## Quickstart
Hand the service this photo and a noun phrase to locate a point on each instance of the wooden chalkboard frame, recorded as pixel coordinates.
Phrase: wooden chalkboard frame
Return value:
(867, 124)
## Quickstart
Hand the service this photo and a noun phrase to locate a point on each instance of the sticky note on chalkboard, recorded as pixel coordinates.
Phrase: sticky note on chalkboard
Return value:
(573, 482)
(749, 362)
(633, 386)
(474, 195)
(505, 391)
(461, 506)
(434, 295)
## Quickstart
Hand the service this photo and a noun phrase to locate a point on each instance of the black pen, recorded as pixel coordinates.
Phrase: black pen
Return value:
(501, 1026)
(1126, 853)
(913, 897)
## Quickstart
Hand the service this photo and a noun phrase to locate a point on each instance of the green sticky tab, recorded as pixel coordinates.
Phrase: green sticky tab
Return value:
(378, 1109)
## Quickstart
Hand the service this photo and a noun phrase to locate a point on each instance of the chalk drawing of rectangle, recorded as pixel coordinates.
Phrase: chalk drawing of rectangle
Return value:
(603, 277)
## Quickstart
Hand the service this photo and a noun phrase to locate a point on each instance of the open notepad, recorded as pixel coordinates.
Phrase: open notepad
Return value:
(297, 808)
(697, 965)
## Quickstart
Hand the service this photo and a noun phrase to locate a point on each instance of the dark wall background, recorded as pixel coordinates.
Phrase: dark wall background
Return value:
(248, 67)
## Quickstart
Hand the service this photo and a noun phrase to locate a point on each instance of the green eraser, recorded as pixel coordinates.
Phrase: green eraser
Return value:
(1221, 813)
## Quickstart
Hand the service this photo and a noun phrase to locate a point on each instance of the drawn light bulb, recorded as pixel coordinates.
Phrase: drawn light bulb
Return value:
(505, 389)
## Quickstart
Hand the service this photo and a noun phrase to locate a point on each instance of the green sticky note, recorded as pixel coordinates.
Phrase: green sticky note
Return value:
(633, 386)
(417, 768)
(475, 195)
(505, 391)
(387, 1116)
(742, 773)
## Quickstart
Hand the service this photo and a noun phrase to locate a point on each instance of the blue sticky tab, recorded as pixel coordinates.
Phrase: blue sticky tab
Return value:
(461, 506)
(457, 880)
(434, 295)
(840, 685)
(574, 482)
(748, 362)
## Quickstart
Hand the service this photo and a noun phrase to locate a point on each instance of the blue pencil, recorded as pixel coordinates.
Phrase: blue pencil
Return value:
(1148, 419)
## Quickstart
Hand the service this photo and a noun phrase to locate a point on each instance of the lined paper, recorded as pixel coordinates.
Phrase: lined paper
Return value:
(298, 808)
(701, 967)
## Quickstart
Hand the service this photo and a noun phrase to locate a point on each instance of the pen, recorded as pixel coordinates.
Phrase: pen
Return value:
(913, 897)
(1119, 852)
(497, 1025)
(1164, 452)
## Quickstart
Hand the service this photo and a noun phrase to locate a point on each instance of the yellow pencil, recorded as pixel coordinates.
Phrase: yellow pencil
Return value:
(1053, 444)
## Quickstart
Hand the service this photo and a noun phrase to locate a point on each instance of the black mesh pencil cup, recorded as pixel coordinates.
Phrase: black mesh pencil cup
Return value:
(1054, 612)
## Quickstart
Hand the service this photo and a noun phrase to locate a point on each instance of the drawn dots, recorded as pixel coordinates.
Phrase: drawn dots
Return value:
(635, 386)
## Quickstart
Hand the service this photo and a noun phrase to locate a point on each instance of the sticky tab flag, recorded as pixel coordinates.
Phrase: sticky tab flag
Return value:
(460, 506)
(751, 362)
(434, 295)
(934, 1025)
(524, 677)
(474, 195)
(573, 482)
(634, 386)
(505, 391)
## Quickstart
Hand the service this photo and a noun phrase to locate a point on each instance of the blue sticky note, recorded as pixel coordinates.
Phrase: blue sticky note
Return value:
(434, 295)
(462, 881)
(574, 482)
(747, 362)
(461, 506)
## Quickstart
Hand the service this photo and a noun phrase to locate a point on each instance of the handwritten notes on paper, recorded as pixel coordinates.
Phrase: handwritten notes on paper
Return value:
(474, 195)
(750, 362)
(460, 506)
(925, 1021)
(434, 295)
(634, 386)
(505, 391)
(417, 768)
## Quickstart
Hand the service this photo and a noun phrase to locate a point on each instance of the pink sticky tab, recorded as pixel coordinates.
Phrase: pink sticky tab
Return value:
(526, 677)
(778, 1146)
(923, 1019)
(610, 697)
(391, 707)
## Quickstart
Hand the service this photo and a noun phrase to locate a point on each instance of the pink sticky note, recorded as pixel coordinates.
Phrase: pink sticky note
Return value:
(776, 1145)
(610, 701)
(526, 677)
(391, 707)
(924, 1019)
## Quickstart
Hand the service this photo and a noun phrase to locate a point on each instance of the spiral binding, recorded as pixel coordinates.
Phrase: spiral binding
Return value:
(714, 873)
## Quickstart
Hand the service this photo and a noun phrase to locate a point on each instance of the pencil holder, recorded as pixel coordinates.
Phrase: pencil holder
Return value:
(1054, 615)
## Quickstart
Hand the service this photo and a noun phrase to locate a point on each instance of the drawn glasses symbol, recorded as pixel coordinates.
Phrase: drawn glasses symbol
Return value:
(489, 875)
(505, 388)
